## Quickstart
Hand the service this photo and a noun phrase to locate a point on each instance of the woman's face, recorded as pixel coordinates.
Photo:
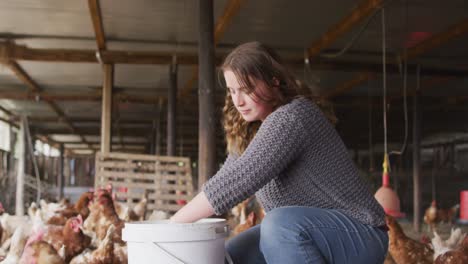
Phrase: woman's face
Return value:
(250, 106)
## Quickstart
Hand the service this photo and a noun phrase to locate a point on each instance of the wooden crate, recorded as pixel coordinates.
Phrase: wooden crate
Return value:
(167, 181)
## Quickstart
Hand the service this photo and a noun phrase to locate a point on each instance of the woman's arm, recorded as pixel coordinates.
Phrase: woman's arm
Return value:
(196, 209)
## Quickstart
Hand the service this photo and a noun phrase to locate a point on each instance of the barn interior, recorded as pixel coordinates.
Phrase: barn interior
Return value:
(89, 86)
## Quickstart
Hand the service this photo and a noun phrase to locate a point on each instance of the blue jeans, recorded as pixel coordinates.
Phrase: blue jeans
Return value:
(309, 235)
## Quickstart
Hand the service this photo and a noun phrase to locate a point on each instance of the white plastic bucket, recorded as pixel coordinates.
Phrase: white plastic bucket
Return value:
(163, 242)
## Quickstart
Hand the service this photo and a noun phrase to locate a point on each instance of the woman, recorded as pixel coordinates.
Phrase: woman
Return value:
(284, 150)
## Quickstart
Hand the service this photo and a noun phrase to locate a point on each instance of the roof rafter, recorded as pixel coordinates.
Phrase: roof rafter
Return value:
(19, 52)
(427, 45)
(363, 10)
(96, 18)
(34, 87)
(15, 118)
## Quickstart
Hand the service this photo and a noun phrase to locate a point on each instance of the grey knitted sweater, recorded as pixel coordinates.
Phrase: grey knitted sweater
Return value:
(296, 159)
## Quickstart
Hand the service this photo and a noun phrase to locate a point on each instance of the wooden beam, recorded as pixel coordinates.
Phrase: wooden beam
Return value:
(19, 202)
(71, 143)
(49, 96)
(206, 90)
(21, 52)
(126, 132)
(61, 175)
(426, 84)
(34, 88)
(137, 121)
(23, 76)
(9, 122)
(348, 85)
(106, 108)
(434, 42)
(118, 97)
(116, 118)
(363, 10)
(14, 117)
(16, 52)
(417, 194)
(7, 112)
(172, 110)
(437, 40)
(95, 11)
(230, 11)
(372, 67)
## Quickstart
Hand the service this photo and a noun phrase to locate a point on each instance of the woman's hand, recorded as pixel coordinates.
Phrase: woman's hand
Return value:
(196, 209)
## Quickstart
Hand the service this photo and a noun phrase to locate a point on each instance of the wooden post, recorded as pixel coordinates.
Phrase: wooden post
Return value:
(171, 110)
(11, 157)
(371, 142)
(106, 108)
(152, 136)
(206, 88)
(61, 176)
(19, 202)
(416, 160)
(453, 160)
(158, 128)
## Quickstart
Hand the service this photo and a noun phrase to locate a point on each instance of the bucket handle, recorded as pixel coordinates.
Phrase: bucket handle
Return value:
(228, 257)
(178, 261)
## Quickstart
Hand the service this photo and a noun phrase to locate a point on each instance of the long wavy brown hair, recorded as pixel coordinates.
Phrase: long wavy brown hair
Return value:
(251, 62)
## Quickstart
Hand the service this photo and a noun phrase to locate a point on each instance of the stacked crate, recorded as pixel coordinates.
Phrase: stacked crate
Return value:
(165, 181)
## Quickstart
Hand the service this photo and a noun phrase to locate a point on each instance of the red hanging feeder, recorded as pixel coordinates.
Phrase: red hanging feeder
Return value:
(386, 196)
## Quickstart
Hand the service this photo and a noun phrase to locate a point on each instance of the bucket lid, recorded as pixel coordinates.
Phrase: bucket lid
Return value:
(167, 231)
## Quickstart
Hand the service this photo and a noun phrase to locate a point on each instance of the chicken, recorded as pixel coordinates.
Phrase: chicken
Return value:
(430, 216)
(243, 226)
(140, 209)
(447, 215)
(10, 223)
(70, 210)
(137, 213)
(239, 212)
(404, 249)
(70, 236)
(442, 246)
(48, 210)
(40, 252)
(82, 205)
(32, 209)
(122, 210)
(425, 239)
(102, 215)
(104, 254)
(120, 254)
(458, 255)
(17, 244)
(389, 259)
(57, 220)
(158, 215)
